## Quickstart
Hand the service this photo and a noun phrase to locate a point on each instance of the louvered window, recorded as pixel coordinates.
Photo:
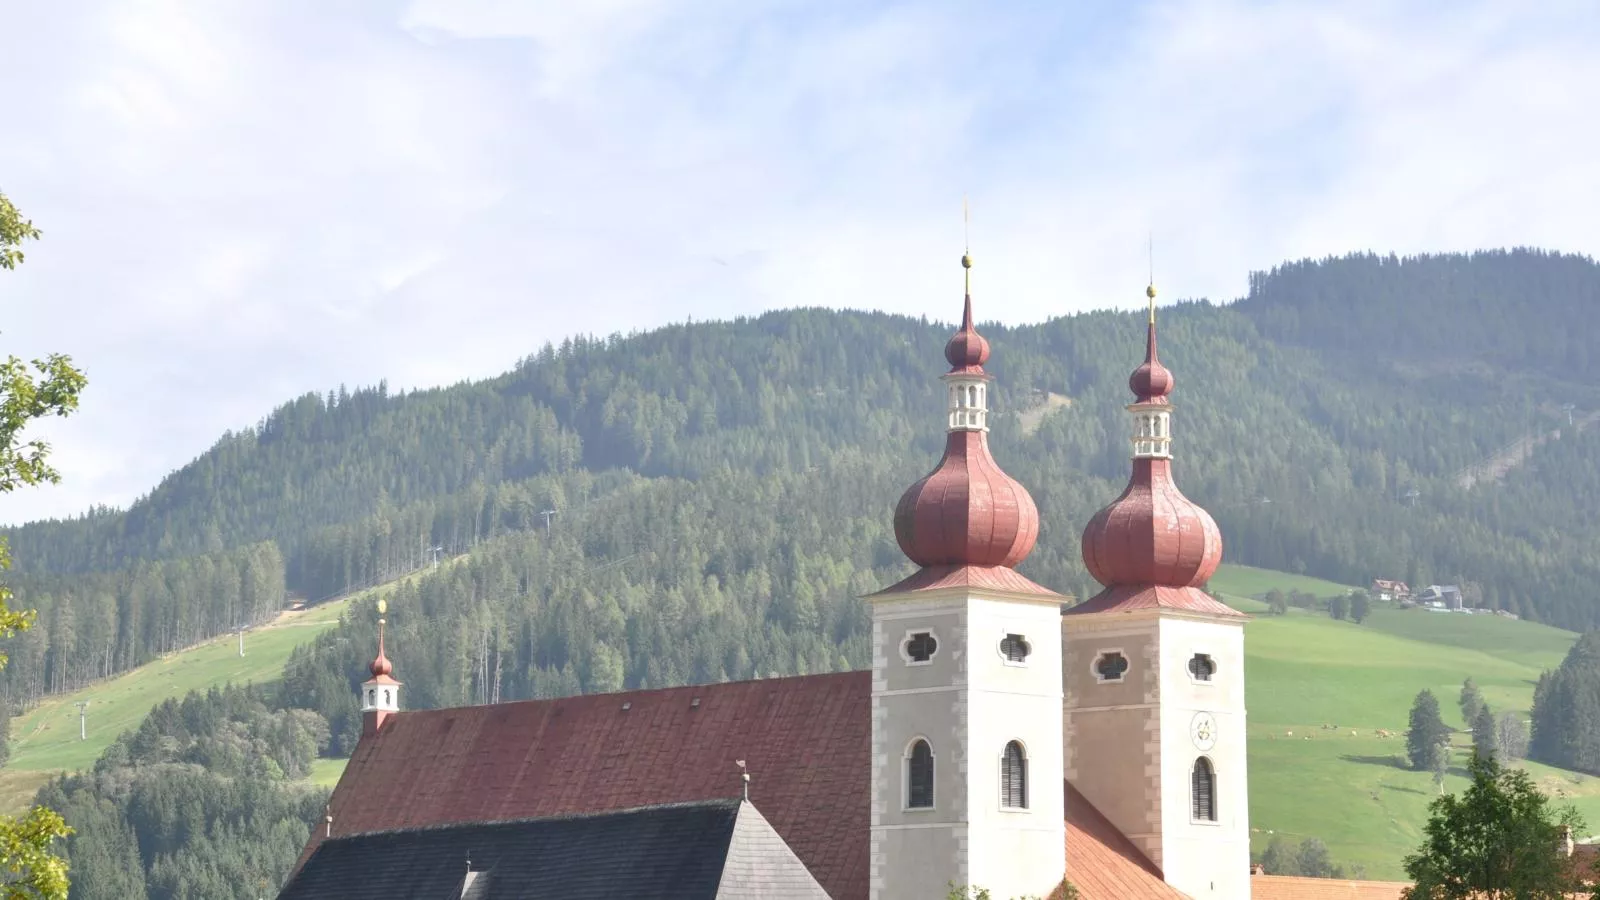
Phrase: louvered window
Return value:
(921, 647)
(1204, 789)
(1014, 777)
(1015, 648)
(919, 776)
(1111, 666)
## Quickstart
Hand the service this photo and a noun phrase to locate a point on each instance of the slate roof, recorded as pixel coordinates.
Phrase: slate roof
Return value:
(807, 742)
(718, 850)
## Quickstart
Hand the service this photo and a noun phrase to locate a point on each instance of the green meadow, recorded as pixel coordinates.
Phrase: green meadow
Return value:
(1347, 785)
(45, 740)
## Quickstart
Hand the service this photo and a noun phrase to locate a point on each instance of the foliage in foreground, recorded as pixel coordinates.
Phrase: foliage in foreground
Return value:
(28, 865)
(1310, 858)
(1498, 840)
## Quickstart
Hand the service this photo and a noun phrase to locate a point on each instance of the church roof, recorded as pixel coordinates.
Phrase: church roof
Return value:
(1294, 887)
(717, 850)
(806, 741)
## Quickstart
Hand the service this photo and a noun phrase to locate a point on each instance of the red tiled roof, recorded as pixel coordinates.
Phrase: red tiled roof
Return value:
(807, 741)
(1291, 887)
(1103, 864)
(1135, 597)
(995, 578)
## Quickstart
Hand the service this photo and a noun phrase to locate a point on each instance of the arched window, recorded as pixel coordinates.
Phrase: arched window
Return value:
(385, 696)
(1014, 777)
(372, 697)
(1202, 667)
(1203, 788)
(919, 776)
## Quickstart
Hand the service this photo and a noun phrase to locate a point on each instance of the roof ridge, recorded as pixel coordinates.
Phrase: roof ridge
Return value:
(727, 803)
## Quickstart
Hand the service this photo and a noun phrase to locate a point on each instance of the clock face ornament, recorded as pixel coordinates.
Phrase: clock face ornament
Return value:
(1203, 731)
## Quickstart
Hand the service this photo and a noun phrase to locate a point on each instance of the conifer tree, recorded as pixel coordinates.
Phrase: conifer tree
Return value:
(1428, 734)
(1484, 733)
(1471, 701)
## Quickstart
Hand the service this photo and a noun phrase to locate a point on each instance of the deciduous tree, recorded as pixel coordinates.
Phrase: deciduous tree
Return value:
(30, 867)
(1498, 840)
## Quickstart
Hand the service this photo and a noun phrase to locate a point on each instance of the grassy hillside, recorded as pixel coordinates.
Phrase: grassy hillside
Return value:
(45, 740)
(1348, 786)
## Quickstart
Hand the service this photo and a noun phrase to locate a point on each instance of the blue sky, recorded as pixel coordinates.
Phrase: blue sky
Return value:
(246, 201)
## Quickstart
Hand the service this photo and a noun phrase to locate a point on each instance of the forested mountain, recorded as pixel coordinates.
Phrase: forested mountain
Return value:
(722, 492)
(1308, 410)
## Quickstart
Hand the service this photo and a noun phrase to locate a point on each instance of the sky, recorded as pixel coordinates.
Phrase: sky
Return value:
(243, 202)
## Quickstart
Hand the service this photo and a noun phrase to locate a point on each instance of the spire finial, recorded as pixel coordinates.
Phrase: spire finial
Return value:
(1150, 289)
(966, 244)
(744, 777)
(381, 665)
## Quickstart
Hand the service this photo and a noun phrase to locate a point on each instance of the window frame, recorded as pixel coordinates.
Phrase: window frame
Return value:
(1210, 658)
(1000, 648)
(1194, 794)
(908, 757)
(1094, 666)
(1005, 786)
(905, 643)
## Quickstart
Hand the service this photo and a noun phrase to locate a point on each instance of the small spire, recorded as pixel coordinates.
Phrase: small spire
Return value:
(744, 778)
(381, 665)
(328, 819)
(966, 258)
(1150, 284)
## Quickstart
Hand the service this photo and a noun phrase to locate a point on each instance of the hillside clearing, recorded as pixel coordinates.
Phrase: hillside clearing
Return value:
(1346, 785)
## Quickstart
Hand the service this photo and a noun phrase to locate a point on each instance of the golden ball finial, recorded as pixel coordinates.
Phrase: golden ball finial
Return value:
(383, 606)
(966, 260)
(1150, 292)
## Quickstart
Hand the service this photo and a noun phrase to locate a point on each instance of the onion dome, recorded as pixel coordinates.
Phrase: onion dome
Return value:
(967, 512)
(1151, 382)
(967, 350)
(1152, 536)
(381, 667)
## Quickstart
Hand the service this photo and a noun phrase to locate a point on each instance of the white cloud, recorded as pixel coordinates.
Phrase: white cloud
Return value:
(244, 202)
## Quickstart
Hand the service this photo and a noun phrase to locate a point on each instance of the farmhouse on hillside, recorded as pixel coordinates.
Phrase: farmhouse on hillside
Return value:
(1001, 739)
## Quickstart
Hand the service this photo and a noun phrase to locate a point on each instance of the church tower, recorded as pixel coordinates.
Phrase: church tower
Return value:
(1154, 678)
(966, 675)
(380, 694)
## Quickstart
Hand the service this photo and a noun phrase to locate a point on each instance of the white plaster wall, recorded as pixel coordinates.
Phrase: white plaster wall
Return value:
(968, 703)
(1015, 853)
(1208, 861)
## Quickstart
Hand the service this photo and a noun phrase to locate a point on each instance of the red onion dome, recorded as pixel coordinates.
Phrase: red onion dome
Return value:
(381, 666)
(1151, 382)
(966, 512)
(1152, 534)
(967, 350)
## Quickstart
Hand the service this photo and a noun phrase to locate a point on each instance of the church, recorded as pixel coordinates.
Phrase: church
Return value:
(1002, 740)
